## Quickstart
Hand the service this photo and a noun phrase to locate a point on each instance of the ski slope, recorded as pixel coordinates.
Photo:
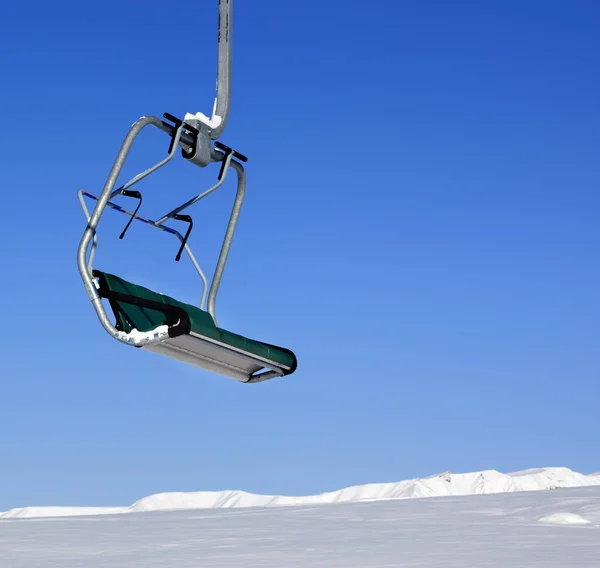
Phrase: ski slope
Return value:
(445, 484)
(525, 529)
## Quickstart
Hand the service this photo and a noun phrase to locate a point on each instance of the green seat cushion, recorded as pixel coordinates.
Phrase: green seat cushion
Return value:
(145, 319)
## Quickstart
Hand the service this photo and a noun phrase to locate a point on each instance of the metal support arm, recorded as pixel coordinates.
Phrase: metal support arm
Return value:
(221, 108)
(233, 219)
(215, 126)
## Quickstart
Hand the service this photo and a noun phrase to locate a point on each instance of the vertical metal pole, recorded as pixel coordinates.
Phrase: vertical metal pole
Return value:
(221, 108)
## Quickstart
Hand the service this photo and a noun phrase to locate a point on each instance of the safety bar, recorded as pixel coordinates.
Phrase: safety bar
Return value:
(171, 214)
(147, 221)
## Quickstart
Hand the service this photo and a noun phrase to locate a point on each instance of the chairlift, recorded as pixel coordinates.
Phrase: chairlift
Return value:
(146, 319)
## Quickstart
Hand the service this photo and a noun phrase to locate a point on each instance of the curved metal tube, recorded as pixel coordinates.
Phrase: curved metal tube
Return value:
(141, 176)
(233, 219)
(95, 240)
(90, 230)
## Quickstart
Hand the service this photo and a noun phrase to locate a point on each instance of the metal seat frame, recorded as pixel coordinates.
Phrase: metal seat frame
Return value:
(194, 135)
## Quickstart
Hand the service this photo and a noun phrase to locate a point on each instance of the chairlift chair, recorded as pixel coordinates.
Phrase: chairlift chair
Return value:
(156, 322)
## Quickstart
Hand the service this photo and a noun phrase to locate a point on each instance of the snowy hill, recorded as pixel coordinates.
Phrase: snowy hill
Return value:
(526, 529)
(445, 484)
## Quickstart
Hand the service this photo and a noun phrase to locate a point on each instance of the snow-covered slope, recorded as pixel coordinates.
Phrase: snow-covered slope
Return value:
(445, 484)
(527, 529)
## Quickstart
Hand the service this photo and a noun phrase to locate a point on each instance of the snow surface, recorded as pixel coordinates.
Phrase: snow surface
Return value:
(445, 484)
(565, 519)
(495, 531)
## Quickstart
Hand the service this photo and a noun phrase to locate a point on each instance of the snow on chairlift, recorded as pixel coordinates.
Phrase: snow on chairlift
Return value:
(157, 322)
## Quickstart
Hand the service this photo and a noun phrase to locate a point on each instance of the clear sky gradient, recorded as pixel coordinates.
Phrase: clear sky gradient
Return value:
(420, 227)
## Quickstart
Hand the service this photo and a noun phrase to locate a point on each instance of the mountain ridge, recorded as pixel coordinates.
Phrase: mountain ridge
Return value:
(438, 485)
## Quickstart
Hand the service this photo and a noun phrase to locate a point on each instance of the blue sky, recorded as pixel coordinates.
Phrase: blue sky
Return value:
(420, 227)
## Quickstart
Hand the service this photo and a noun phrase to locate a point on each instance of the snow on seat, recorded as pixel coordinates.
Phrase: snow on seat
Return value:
(189, 333)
